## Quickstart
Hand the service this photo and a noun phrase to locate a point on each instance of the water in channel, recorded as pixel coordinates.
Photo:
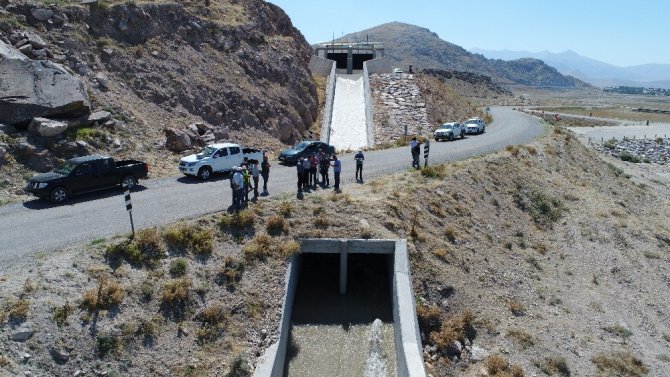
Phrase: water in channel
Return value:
(342, 335)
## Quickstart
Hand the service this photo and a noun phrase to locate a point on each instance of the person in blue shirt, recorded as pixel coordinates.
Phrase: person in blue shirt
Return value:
(359, 166)
(337, 169)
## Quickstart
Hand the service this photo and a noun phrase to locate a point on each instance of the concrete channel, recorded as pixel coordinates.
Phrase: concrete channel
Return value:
(348, 311)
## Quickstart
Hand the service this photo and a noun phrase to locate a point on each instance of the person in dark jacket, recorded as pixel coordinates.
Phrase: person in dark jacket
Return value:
(359, 166)
(265, 173)
(324, 166)
(337, 169)
(300, 169)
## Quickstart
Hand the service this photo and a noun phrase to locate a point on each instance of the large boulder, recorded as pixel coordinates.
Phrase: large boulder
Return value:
(177, 140)
(30, 89)
(46, 127)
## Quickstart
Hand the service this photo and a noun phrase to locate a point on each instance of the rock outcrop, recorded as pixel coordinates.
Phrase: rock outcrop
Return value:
(32, 89)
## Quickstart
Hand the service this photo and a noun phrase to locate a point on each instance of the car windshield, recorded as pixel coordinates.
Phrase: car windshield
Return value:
(446, 127)
(301, 145)
(207, 151)
(66, 168)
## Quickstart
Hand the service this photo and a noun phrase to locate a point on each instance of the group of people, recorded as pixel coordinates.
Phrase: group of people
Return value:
(308, 166)
(245, 178)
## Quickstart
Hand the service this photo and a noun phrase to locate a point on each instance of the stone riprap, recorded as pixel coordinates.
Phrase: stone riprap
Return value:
(397, 103)
(647, 150)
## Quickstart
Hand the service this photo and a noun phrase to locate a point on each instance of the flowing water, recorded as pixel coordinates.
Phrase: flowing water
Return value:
(347, 335)
(348, 129)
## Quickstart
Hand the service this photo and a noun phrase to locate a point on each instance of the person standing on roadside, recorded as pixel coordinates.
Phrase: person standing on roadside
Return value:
(300, 169)
(265, 172)
(359, 166)
(415, 148)
(255, 173)
(305, 173)
(313, 162)
(324, 165)
(237, 182)
(337, 169)
(246, 177)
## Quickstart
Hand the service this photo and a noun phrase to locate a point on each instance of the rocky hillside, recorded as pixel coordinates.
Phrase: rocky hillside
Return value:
(232, 70)
(408, 44)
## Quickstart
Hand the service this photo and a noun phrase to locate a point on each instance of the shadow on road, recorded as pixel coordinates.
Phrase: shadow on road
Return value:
(189, 180)
(44, 203)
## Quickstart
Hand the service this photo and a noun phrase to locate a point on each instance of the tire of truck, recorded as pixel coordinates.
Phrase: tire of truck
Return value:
(59, 195)
(451, 137)
(205, 173)
(129, 182)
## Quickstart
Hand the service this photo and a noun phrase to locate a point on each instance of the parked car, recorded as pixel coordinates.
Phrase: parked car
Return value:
(217, 158)
(449, 131)
(86, 174)
(305, 148)
(474, 126)
(397, 70)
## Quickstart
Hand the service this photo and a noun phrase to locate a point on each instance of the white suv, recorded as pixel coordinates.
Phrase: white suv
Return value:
(474, 126)
(449, 131)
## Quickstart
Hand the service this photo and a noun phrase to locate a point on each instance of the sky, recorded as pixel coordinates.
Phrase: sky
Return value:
(618, 32)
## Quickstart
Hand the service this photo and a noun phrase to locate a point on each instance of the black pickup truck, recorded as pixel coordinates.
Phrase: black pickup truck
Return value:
(85, 174)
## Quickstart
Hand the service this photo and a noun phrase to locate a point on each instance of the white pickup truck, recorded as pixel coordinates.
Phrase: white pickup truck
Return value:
(216, 158)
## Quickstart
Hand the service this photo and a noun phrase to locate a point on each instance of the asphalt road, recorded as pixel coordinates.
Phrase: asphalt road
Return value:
(36, 226)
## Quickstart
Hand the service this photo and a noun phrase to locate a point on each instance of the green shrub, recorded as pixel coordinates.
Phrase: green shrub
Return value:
(61, 313)
(610, 144)
(144, 249)
(107, 344)
(543, 209)
(239, 367)
(626, 156)
(178, 267)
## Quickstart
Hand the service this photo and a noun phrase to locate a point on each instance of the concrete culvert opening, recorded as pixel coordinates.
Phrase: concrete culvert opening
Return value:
(348, 311)
(332, 331)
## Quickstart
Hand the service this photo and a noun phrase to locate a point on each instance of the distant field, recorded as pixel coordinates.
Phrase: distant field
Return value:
(611, 113)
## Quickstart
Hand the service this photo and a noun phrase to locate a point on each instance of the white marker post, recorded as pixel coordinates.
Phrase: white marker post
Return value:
(426, 149)
(129, 208)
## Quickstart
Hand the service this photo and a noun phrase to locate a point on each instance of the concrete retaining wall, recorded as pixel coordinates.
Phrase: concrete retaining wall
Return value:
(379, 65)
(368, 106)
(328, 106)
(271, 363)
(320, 66)
(409, 360)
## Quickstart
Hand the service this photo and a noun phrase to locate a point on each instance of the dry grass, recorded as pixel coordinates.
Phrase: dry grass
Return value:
(276, 225)
(516, 307)
(553, 366)
(230, 272)
(286, 208)
(522, 338)
(457, 328)
(429, 318)
(18, 310)
(264, 246)
(620, 364)
(176, 292)
(107, 295)
(498, 366)
(239, 220)
(198, 239)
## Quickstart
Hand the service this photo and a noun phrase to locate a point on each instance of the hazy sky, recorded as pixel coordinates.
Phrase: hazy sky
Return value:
(619, 32)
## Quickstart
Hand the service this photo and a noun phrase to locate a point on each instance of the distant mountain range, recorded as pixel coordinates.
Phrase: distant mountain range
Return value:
(593, 71)
(407, 44)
